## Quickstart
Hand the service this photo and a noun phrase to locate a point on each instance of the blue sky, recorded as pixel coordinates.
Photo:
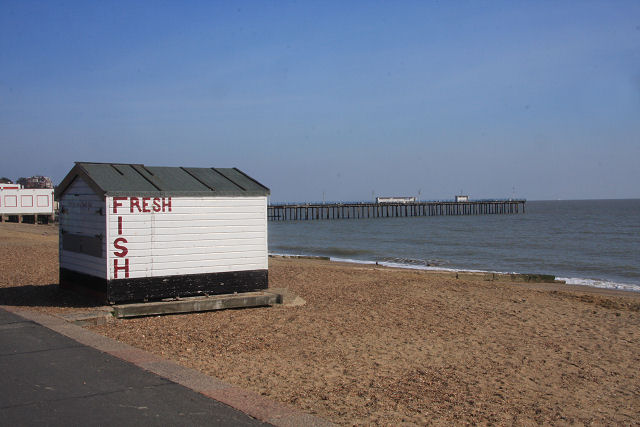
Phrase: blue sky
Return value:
(534, 99)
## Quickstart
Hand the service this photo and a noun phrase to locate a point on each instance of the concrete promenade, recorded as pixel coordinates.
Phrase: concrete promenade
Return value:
(56, 373)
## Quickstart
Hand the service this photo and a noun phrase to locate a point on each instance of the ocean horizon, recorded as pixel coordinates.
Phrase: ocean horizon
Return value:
(582, 242)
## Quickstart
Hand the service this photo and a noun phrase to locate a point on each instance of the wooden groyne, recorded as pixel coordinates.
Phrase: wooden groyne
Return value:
(317, 211)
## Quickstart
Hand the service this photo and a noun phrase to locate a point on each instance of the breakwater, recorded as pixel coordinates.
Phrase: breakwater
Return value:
(354, 210)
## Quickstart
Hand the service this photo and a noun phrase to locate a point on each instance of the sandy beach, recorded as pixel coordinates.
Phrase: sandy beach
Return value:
(382, 346)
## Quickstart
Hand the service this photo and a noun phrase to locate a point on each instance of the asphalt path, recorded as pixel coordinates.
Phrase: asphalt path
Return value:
(49, 379)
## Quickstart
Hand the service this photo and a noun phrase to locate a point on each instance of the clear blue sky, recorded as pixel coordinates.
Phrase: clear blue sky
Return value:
(345, 97)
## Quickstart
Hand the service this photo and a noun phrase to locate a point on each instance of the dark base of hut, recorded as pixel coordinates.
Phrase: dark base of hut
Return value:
(158, 288)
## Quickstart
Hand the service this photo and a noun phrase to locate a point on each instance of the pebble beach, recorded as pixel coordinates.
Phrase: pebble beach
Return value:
(379, 346)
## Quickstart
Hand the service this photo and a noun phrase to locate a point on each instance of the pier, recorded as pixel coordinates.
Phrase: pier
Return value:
(354, 210)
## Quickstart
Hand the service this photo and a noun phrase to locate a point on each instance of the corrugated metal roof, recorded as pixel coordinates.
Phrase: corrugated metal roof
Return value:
(121, 179)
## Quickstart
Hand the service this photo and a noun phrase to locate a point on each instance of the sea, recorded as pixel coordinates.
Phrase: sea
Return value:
(583, 242)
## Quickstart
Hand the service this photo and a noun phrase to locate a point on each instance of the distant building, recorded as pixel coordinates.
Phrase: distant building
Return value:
(26, 204)
(36, 181)
(395, 199)
(462, 199)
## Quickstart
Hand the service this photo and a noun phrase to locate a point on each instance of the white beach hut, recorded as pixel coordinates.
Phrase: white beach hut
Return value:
(136, 233)
(26, 203)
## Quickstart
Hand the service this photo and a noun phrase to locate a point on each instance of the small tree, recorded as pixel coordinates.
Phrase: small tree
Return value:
(5, 180)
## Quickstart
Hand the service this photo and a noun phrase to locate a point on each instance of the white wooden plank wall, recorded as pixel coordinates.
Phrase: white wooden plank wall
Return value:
(82, 213)
(198, 235)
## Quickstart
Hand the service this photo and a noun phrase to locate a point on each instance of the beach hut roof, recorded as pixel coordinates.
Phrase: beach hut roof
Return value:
(126, 179)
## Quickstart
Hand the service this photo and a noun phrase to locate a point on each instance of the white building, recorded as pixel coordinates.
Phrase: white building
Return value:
(26, 202)
(135, 232)
(462, 199)
(395, 199)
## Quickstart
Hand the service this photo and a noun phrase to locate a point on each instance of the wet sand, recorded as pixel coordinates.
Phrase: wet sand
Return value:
(386, 346)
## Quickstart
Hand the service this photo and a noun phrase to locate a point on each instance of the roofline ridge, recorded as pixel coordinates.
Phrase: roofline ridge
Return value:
(109, 163)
